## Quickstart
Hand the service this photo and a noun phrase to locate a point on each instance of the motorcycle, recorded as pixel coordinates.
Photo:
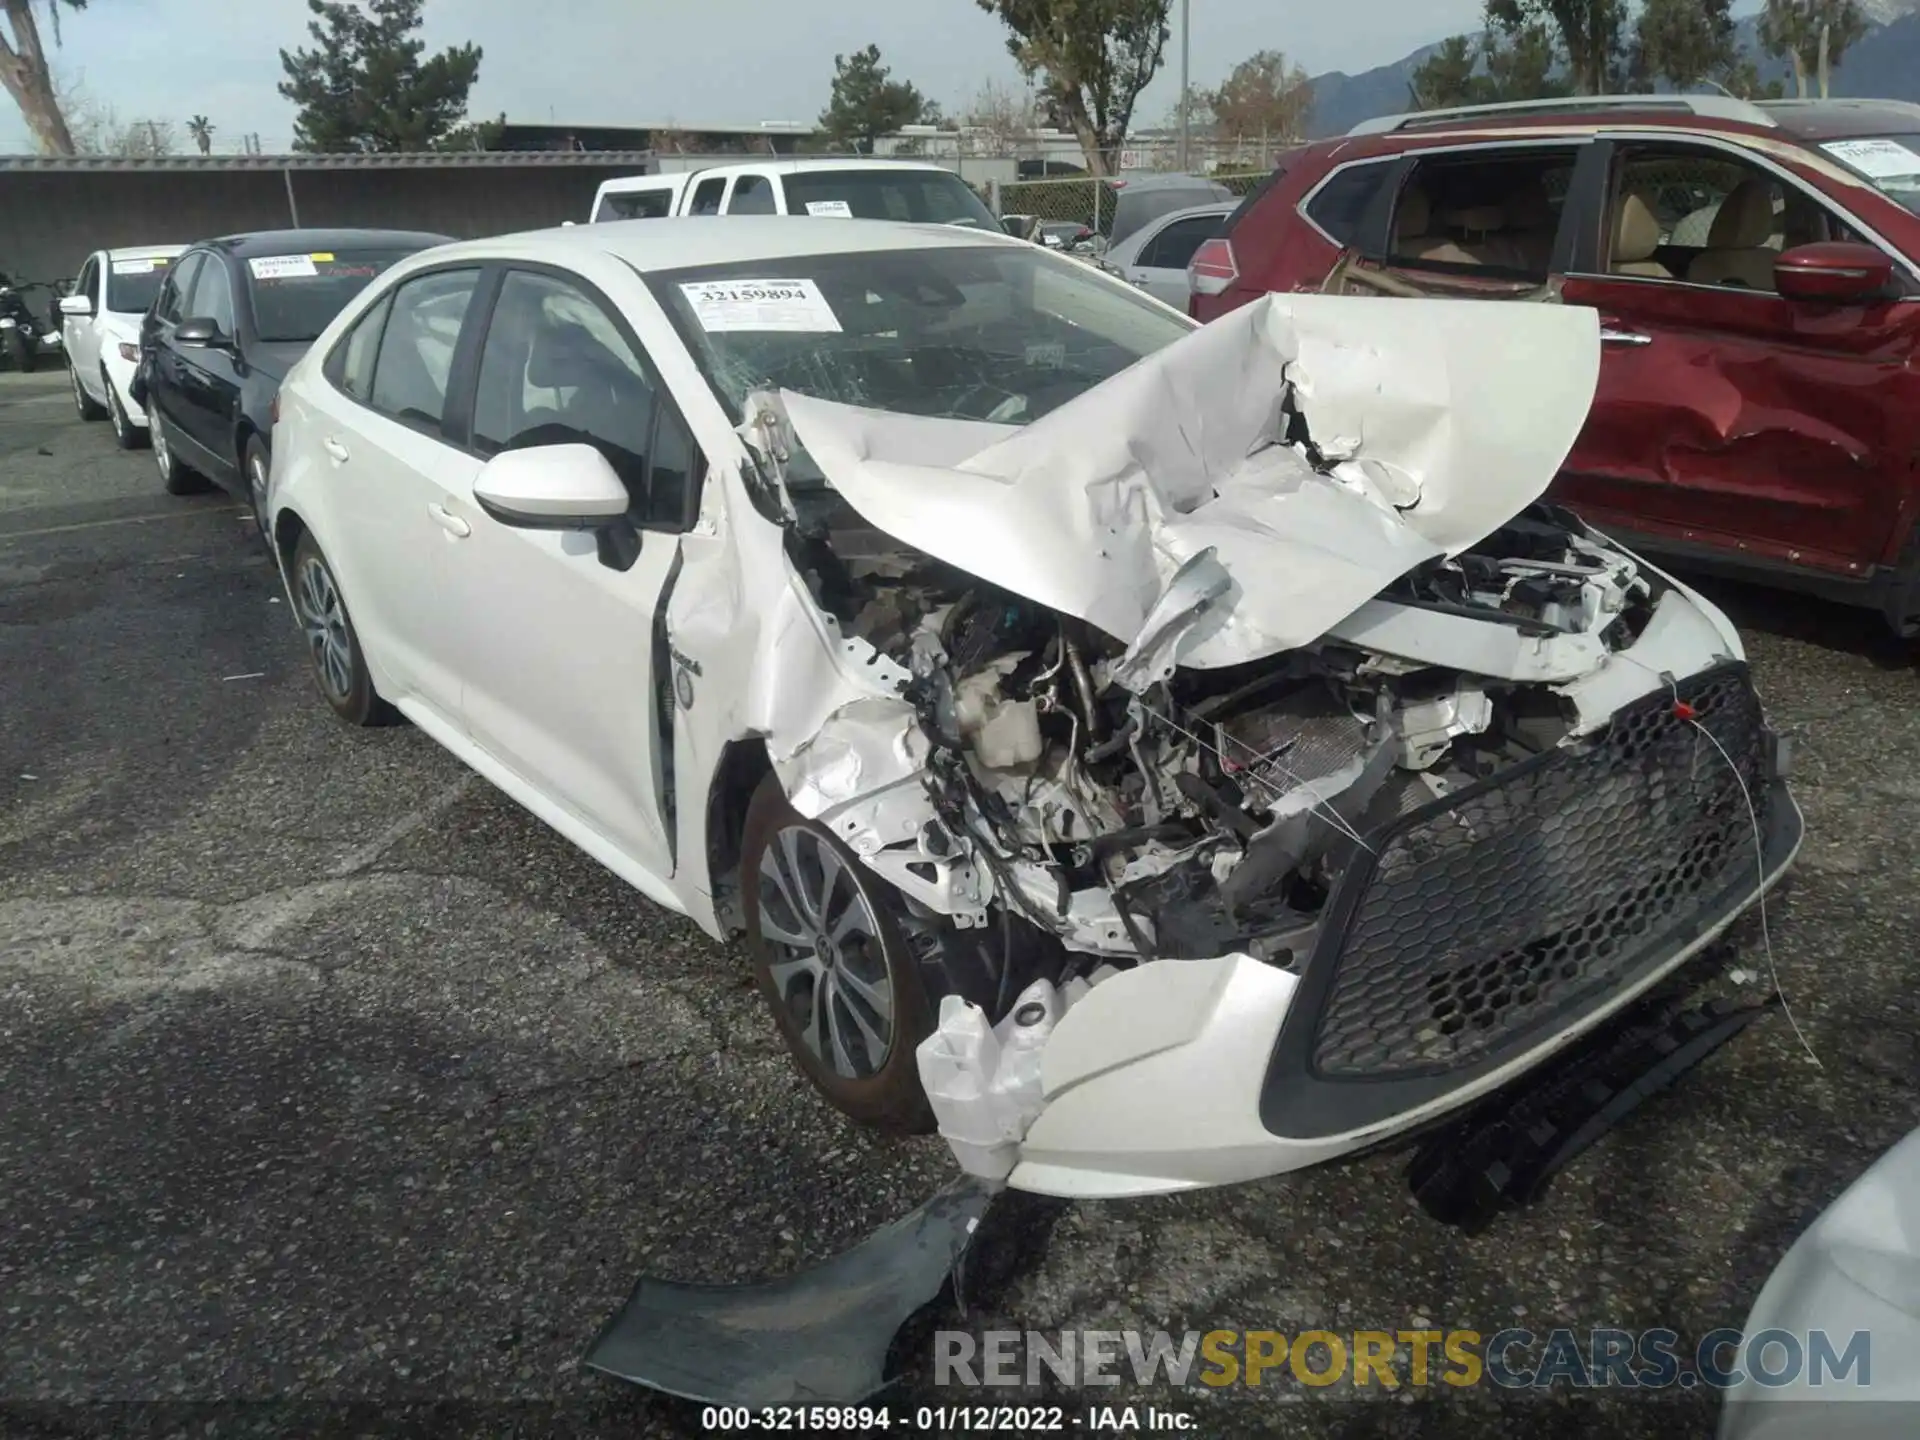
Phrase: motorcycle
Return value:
(25, 339)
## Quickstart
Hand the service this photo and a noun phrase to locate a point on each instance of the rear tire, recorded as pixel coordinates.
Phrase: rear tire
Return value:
(179, 477)
(333, 645)
(255, 465)
(87, 407)
(832, 965)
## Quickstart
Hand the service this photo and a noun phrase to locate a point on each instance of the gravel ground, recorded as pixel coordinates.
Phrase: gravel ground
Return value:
(341, 1096)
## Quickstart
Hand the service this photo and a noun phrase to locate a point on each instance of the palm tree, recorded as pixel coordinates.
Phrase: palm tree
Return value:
(201, 129)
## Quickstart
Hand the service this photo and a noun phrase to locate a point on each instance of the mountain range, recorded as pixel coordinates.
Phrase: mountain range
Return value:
(1883, 63)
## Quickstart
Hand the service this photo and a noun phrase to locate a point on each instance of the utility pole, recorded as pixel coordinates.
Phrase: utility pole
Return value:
(1185, 159)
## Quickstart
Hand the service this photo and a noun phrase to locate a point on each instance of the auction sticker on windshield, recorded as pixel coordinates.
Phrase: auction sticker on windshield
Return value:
(282, 267)
(724, 305)
(136, 267)
(835, 209)
(1880, 159)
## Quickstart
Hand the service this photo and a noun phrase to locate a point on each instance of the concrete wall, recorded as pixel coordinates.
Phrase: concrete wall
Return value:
(51, 221)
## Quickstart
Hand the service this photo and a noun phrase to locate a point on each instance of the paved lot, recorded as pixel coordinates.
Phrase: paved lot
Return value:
(327, 1077)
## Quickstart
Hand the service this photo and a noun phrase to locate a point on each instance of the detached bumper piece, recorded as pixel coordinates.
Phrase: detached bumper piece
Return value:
(1504, 1153)
(817, 1337)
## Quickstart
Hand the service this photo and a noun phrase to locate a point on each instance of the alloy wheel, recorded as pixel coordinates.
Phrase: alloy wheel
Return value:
(323, 619)
(162, 452)
(829, 963)
(122, 427)
(257, 488)
(79, 394)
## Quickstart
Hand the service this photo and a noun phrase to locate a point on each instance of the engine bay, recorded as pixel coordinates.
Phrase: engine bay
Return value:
(1213, 810)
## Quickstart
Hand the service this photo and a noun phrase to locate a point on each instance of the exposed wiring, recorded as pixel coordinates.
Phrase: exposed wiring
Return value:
(1688, 715)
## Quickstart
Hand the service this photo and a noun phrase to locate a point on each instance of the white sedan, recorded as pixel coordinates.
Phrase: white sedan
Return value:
(1159, 756)
(100, 326)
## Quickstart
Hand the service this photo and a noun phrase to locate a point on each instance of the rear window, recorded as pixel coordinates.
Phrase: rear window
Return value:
(1340, 205)
(928, 197)
(635, 205)
(295, 297)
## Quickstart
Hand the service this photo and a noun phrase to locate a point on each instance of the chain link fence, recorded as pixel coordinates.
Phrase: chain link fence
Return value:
(1085, 199)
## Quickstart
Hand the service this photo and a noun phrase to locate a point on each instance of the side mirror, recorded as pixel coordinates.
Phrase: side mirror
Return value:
(560, 487)
(76, 305)
(200, 331)
(1834, 272)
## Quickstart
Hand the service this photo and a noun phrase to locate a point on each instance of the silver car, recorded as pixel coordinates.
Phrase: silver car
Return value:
(1155, 256)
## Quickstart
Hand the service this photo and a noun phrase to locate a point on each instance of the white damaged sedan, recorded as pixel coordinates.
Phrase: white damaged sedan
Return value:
(1157, 756)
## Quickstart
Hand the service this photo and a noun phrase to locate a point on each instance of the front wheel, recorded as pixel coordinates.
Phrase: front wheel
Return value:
(19, 351)
(126, 434)
(339, 665)
(831, 962)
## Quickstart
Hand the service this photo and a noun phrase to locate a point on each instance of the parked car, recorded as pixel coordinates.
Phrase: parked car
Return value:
(854, 588)
(1138, 200)
(230, 318)
(1841, 1316)
(830, 189)
(1757, 272)
(100, 320)
(1069, 235)
(1155, 256)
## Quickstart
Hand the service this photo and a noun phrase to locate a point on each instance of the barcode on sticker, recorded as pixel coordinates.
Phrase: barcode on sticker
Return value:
(795, 305)
(282, 267)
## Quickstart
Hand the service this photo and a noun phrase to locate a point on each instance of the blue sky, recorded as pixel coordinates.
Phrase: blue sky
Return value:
(688, 61)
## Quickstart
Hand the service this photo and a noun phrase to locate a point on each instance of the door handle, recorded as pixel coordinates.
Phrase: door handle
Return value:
(336, 452)
(449, 522)
(1610, 336)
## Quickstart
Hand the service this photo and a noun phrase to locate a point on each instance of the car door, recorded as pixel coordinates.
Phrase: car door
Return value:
(1159, 266)
(1728, 417)
(80, 333)
(209, 375)
(160, 361)
(560, 667)
(395, 483)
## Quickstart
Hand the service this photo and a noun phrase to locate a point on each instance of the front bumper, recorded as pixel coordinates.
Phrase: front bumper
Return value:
(1480, 936)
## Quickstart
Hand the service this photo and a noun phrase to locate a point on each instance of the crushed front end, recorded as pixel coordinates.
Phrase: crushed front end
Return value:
(1258, 788)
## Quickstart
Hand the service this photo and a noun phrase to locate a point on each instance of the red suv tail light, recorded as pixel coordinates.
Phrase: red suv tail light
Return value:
(1212, 268)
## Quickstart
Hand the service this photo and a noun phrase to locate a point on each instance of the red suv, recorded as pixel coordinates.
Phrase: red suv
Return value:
(1757, 272)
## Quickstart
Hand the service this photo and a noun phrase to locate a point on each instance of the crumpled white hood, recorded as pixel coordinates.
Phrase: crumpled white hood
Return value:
(1452, 415)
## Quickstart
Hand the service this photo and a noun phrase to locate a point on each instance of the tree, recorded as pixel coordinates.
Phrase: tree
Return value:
(1813, 34)
(998, 119)
(367, 89)
(866, 104)
(1591, 35)
(200, 131)
(475, 135)
(1685, 42)
(27, 76)
(1263, 96)
(1092, 58)
(1490, 69)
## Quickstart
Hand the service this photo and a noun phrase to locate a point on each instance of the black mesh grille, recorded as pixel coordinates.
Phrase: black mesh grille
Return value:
(1483, 917)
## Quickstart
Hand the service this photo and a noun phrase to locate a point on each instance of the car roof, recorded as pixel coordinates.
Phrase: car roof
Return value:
(687, 240)
(657, 181)
(1841, 119)
(1791, 120)
(1167, 182)
(284, 242)
(803, 167)
(143, 252)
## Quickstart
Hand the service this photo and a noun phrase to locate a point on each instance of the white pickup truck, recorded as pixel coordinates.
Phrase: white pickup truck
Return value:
(842, 189)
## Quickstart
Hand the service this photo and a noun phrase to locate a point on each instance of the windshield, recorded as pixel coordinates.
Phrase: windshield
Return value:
(1135, 208)
(132, 284)
(1891, 162)
(935, 197)
(995, 332)
(296, 296)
